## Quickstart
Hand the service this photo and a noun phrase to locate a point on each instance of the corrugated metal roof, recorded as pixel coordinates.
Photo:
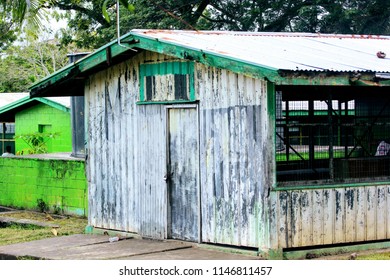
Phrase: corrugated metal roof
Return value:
(256, 54)
(286, 51)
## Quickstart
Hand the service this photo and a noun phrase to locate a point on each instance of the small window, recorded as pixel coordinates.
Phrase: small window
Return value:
(44, 128)
(167, 82)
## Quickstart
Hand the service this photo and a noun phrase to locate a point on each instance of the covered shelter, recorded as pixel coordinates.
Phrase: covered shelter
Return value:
(271, 141)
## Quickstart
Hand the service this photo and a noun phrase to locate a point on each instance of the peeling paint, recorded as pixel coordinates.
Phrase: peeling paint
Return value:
(350, 195)
(338, 204)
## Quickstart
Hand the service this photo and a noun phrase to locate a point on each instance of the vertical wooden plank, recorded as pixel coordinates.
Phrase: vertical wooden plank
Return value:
(90, 96)
(318, 217)
(387, 189)
(339, 216)
(122, 149)
(361, 221)
(328, 216)
(305, 224)
(283, 225)
(232, 159)
(295, 219)
(371, 197)
(381, 213)
(350, 215)
(209, 199)
(100, 133)
(224, 215)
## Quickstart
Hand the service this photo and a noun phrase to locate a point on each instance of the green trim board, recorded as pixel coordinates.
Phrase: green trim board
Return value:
(330, 186)
(53, 104)
(166, 102)
(204, 57)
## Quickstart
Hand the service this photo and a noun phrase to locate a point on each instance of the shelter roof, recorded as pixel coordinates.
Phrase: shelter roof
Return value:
(282, 58)
(15, 102)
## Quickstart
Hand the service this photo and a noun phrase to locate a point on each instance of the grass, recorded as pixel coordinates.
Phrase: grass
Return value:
(375, 256)
(17, 233)
(281, 156)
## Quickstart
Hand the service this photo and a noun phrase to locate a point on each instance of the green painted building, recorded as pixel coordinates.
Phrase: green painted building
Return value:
(29, 115)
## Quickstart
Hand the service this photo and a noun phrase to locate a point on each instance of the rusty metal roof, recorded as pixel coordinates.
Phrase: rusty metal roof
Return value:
(312, 59)
(286, 51)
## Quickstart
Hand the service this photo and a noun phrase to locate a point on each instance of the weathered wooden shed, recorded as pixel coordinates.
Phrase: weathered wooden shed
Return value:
(260, 140)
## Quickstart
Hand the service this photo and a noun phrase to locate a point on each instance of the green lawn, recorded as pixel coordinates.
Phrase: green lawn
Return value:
(15, 233)
(281, 156)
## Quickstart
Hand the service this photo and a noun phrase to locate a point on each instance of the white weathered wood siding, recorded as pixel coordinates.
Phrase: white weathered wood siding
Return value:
(126, 162)
(235, 151)
(127, 154)
(329, 216)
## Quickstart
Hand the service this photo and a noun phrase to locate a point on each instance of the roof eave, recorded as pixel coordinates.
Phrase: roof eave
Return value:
(25, 100)
(202, 56)
(104, 56)
(329, 78)
(99, 59)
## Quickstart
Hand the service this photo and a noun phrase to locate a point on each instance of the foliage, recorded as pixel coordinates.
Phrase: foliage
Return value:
(88, 26)
(125, 3)
(42, 205)
(375, 256)
(91, 22)
(8, 27)
(36, 142)
(16, 15)
(22, 65)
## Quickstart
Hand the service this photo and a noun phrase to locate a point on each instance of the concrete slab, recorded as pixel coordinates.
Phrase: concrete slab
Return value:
(193, 253)
(98, 247)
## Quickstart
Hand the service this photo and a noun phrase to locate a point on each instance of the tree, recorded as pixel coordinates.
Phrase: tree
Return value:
(88, 26)
(22, 65)
(36, 142)
(16, 14)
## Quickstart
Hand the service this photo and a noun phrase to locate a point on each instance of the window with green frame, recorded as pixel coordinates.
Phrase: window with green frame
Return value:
(7, 133)
(332, 137)
(167, 82)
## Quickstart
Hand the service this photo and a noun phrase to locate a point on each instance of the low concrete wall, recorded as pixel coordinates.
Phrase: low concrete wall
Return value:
(32, 182)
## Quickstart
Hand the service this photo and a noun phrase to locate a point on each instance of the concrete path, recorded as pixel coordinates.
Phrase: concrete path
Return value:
(98, 247)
